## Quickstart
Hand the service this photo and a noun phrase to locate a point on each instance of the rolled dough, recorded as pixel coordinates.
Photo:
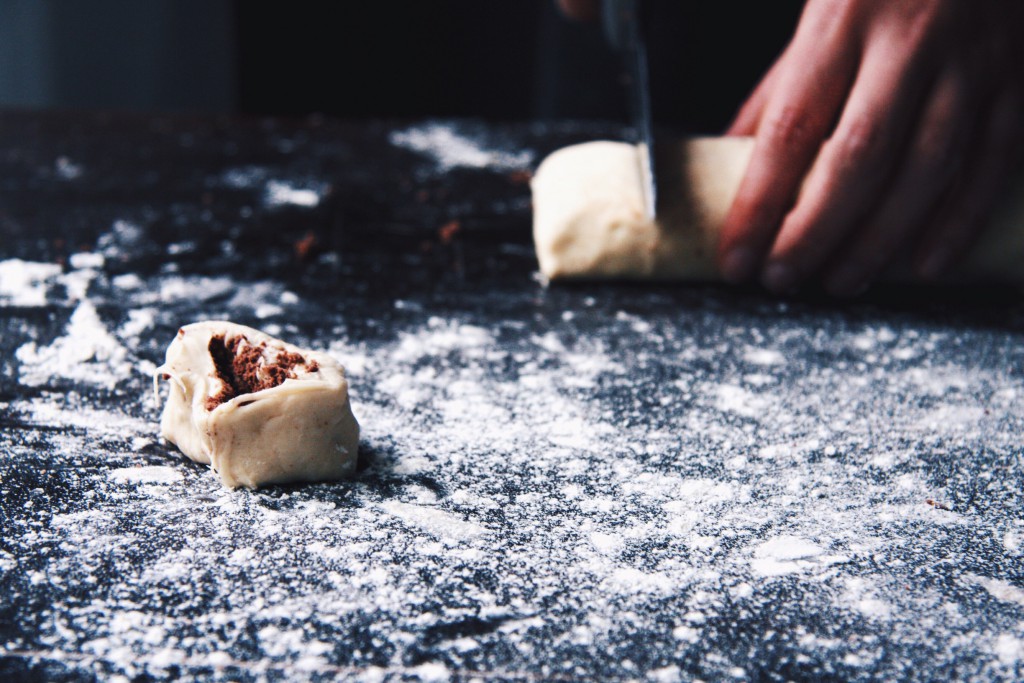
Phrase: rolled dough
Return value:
(589, 223)
(257, 410)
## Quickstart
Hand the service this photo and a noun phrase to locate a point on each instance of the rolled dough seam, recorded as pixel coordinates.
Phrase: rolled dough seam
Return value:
(589, 223)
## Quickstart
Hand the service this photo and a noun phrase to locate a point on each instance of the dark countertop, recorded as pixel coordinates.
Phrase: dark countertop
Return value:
(596, 481)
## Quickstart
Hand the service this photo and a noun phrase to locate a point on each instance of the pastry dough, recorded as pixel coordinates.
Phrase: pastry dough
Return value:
(257, 410)
(589, 222)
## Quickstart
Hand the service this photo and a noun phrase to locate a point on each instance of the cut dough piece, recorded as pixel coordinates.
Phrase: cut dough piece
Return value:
(589, 219)
(257, 410)
(589, 222)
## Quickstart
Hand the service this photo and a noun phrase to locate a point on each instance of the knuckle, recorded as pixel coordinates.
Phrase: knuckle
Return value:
(864, 139)
(827, 17)
(789, 128)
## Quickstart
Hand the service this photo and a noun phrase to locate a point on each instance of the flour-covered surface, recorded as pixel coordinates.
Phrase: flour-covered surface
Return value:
(598, 482)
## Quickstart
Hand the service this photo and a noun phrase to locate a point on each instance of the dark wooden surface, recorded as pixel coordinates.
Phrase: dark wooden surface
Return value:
(588, 482)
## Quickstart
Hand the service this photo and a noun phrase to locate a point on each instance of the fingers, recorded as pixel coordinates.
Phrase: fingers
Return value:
(805, 94)
(853, 165)
(936, 153)
(898, 159)
(965, 214)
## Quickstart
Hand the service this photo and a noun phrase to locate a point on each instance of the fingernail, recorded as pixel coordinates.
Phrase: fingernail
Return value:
(738, 265)
(933, 264)
(779, 278)
(847, 281)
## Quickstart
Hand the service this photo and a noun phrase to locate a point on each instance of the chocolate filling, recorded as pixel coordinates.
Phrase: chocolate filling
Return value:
(245, 371)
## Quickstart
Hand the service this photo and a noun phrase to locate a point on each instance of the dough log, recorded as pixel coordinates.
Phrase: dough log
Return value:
(257, 410)
(589, 223)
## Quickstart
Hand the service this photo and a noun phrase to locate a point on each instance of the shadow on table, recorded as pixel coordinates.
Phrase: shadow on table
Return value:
(968, 305)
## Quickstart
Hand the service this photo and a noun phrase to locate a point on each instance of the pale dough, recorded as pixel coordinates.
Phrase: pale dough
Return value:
(589, 222)
(257, 410)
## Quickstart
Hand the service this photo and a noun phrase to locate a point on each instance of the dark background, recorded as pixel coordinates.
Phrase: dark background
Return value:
(493, 59)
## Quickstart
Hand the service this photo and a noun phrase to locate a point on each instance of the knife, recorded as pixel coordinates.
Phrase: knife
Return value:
(621, 22)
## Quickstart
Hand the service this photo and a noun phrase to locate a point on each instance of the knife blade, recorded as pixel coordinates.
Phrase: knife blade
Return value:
(621, 21)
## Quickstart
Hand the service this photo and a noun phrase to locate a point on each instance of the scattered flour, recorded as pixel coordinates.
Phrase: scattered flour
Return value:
(436, 522)
(140, 320)
(245, 177)
(279, 193)
(172, 288)
(122, 237)
(784, 555)
(26, 283)
(526, 494)
(735, 399)
(68, 169)
(151, 474)
(998, 588)
(874, 608)
(70, 412)
(764, 357)
(449, 150)
(84, 259)
(87, 352)
(1009, 648)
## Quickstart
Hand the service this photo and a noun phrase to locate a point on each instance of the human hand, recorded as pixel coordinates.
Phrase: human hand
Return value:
(901, 119)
